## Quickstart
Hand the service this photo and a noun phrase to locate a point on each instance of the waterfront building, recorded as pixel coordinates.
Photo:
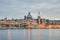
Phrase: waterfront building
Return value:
(29, 16)
(39, 18)
(25, 17)
(5, 19)
(29, 22)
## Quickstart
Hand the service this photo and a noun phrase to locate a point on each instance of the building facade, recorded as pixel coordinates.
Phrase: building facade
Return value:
(29, 22)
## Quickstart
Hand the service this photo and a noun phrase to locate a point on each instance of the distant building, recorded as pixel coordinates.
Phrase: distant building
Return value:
(5, 19)
(54, 22)
(39, 18)
(28, 17)
(25, 17)
(28, 21)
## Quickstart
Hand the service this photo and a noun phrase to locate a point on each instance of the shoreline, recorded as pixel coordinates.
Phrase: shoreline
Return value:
(25, 28)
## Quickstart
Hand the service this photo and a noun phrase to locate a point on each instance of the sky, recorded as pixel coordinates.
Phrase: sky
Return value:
(49, 9)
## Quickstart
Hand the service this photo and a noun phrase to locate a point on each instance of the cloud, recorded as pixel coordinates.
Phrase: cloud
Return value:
(19, 8)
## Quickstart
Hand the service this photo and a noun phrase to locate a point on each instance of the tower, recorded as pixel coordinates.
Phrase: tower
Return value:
(25, 18)
(39, 18)
(5, 19)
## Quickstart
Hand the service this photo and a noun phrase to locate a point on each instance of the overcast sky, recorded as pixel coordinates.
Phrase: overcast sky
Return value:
(18, 8)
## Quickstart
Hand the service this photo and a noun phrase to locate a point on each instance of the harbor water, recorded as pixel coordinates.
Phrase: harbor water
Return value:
(30, 34)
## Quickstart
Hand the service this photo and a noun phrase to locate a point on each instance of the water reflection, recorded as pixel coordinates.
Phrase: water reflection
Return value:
(3, 34)
(33, 34)
(54, 34)
(9, 34)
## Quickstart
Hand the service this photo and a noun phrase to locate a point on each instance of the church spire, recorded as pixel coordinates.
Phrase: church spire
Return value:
(39, 17)
(39, 14)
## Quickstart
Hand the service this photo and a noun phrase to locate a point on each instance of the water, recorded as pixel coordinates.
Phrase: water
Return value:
(33, 34)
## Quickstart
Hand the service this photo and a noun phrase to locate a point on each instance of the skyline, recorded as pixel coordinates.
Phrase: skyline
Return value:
(49, 9)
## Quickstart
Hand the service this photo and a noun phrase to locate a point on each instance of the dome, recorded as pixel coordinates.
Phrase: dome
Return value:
(29, 16)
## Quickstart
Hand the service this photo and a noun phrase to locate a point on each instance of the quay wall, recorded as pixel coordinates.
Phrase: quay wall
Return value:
(43, 25)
